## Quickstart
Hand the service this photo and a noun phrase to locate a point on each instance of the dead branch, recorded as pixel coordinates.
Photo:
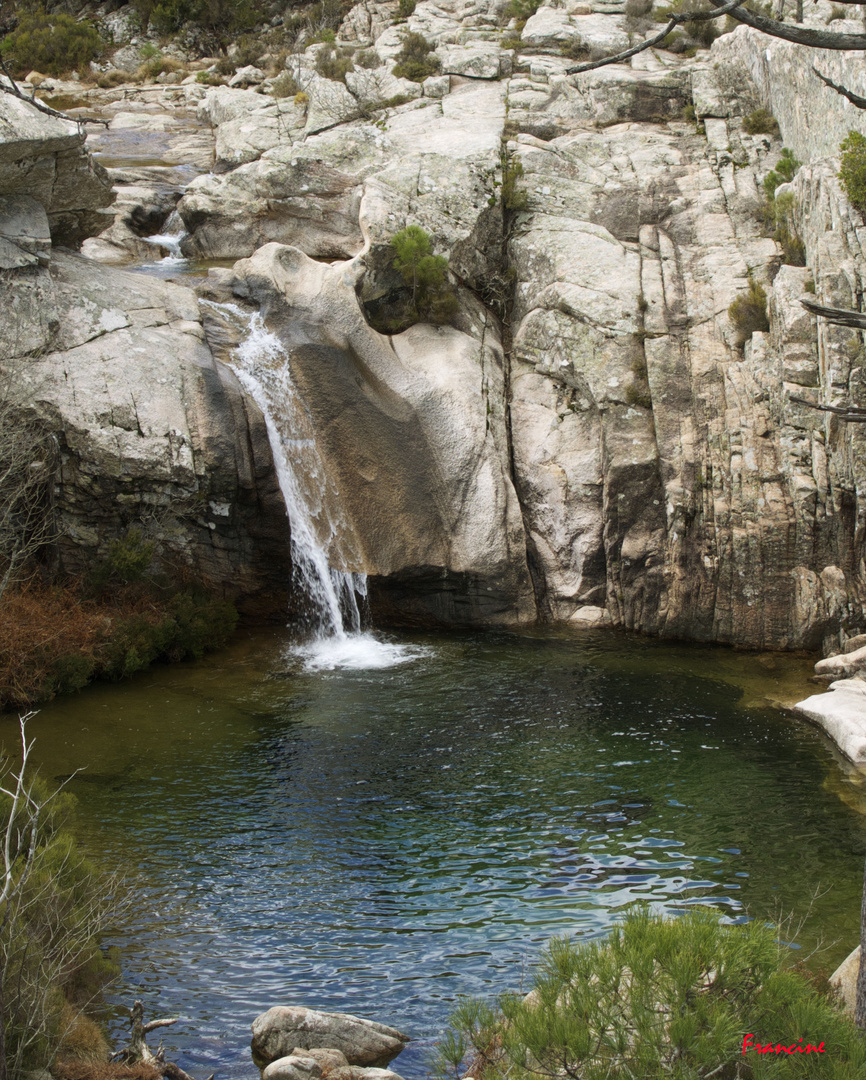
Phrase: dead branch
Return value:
(675, 20)
(815, 39)
(855, 99)
(837, 316)
(137, 1051)
(849, 414)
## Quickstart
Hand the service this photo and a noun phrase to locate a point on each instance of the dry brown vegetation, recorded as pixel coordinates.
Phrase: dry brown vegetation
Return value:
(57, 639)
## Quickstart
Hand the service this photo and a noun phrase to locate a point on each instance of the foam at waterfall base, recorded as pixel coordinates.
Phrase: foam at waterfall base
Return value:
(356, 652)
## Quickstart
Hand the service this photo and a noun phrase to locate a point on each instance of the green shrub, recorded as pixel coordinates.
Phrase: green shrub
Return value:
(368, 59)
(129, 559)
(414, 60)
(51, 962)
(405, 8)
(334, 64)
(191, 624)
(513, 196)
(284, 86)
(428, 295)
(659, 999)
(53, 44)
(784, 215)
(782, 174)
(760, 122)
(748, 312)
(210, 78)
(521, 10)
(853, 169)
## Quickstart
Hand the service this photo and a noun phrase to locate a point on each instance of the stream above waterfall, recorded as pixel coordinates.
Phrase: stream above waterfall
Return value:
(379, 841)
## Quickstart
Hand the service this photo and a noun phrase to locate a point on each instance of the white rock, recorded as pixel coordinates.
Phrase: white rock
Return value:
(842, 714)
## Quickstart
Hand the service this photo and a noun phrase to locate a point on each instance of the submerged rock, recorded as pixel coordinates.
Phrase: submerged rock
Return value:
(286, 1027)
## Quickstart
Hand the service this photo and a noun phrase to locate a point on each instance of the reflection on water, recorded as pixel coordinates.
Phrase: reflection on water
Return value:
(382, 839)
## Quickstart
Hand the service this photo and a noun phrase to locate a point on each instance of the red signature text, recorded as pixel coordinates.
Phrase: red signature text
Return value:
(779, 1048)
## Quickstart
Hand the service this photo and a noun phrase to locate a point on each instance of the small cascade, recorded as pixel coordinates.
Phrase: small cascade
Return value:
(170, 241)
(320, 535)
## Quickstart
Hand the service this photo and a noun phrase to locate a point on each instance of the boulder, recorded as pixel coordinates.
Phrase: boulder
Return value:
(43, 158)
(842, 715)
(411, 430)
(295, 1066)
(286, 1027)
(844, 665)
(844, 980)
(247, 76)
(153, 432)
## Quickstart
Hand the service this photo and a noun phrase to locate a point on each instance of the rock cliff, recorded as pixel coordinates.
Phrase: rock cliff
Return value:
(594, 439)
(152, 431)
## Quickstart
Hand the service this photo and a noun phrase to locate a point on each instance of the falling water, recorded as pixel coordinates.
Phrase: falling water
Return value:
(319, 532)
(170, 241)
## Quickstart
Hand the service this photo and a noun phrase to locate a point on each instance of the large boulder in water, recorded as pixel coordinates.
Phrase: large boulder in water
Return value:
(411, 428)
(286, 1027)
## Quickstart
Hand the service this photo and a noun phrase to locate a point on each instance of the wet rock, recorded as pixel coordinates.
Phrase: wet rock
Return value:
(363, 1042)
(411, 428)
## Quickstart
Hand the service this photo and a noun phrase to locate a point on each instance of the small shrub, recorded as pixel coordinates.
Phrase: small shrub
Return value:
(760, 122)
(521, 10)
(284, 86)
(158, 65)
(809, 285)
(783, 172)
(405, 8)
(51, 43)
(748, 312)
(658, 998)
(515, 43)
(414, 61)
(301, 98)
(852, 172)
(113, 77)
(334, 63)
(327, 36)
(689, 114)
(837, 13)
(129, 559)
(209, 78)
(513, 197)
(784, 214)
(368, 59)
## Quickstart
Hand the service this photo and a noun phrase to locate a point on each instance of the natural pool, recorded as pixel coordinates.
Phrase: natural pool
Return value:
(382, 840)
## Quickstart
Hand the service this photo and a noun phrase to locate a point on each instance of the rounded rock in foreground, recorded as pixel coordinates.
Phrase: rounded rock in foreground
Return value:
(293, 1067)
(287, 1028)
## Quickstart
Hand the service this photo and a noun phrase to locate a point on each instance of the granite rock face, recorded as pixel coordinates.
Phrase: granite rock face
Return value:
(595, 423)
(668, 478)
(43, 158)
(153, 433)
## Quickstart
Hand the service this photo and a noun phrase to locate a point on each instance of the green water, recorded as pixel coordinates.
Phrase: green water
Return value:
(380, 841)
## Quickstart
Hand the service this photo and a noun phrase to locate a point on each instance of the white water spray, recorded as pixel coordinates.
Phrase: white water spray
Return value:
(170, 241)
(319, 532)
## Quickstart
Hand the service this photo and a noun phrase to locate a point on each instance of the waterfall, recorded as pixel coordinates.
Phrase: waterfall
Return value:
(171, 239)
(320, 534)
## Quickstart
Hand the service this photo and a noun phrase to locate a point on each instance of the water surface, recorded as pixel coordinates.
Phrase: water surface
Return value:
(382, 840)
